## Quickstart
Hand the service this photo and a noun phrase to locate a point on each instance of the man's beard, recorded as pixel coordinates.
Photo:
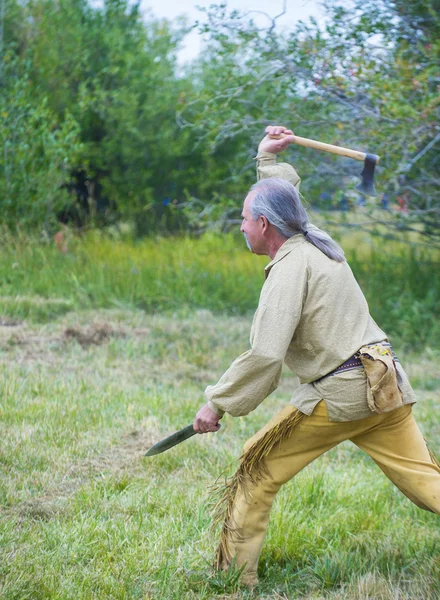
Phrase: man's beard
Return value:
(247, 242)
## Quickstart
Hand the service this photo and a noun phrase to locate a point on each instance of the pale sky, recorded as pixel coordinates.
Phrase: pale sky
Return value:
(295, 10)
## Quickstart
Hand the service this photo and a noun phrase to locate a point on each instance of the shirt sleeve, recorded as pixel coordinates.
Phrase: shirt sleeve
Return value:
(256, 373)
(267, 166)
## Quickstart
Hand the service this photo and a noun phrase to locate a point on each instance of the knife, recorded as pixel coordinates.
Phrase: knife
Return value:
(172, 440)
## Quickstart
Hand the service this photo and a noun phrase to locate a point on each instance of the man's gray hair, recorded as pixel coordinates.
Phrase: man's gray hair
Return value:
(278, 201)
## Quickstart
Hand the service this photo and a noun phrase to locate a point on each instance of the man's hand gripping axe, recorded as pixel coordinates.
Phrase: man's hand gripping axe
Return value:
(366, 185)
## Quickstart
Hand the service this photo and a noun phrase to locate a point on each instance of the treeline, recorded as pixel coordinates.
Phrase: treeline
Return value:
(99, 124)
(88, 105)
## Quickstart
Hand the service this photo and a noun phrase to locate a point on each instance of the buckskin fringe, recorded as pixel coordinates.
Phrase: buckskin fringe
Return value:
(252, 469)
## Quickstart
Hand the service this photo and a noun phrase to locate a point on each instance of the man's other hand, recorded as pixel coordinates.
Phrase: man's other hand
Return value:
(206, 420)
(268, 144)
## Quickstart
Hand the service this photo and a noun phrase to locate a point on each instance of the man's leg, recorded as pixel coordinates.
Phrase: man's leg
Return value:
(397, 446)
(254, 489)
(393, 440)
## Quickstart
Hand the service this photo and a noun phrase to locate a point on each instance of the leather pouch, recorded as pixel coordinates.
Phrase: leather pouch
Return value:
(383, 393)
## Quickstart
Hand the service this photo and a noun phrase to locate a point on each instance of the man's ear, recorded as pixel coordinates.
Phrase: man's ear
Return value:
(264, 223)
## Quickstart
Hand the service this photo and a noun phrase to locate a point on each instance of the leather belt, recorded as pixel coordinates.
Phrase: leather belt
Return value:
(354, 362)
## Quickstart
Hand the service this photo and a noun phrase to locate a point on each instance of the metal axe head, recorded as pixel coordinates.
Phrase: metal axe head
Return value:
(366, 186)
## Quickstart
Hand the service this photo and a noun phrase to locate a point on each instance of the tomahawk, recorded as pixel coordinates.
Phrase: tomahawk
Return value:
(366, 185)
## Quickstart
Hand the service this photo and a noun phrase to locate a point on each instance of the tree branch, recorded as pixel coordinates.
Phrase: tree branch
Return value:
(421, 153)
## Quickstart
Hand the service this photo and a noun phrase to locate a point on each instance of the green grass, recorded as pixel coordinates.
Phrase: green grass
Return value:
(217, 273)
(84, 515)
(164, 273)
(106, 349)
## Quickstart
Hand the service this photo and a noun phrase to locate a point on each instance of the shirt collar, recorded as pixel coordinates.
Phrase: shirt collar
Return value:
(284, 250)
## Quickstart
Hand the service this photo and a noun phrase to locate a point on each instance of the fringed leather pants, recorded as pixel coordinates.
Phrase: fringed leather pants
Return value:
(290, 442)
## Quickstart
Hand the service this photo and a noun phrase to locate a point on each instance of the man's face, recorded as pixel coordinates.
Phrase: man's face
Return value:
(252, 230)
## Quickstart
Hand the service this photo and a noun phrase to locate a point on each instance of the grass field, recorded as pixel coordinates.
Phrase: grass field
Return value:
(106, 349)
(84, 515)
(39, 283)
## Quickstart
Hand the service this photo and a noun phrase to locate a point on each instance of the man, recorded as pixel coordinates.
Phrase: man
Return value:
(313, 316)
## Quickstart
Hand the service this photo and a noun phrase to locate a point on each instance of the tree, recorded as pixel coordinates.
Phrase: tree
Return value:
(36, 151)
(116, 75)
(110, 77)
(369, 79)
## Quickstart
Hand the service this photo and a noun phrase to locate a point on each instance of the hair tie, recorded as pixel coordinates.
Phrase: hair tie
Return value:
(305, 233)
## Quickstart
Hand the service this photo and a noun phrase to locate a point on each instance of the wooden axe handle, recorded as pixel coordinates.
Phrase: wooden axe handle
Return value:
(300, 141)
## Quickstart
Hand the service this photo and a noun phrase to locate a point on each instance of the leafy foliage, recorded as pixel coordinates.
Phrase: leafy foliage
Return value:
(112, 79)
(89, 116)
(37, 153)
(368, 79)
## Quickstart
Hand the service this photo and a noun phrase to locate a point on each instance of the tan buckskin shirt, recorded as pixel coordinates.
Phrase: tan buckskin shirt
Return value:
(313, 316)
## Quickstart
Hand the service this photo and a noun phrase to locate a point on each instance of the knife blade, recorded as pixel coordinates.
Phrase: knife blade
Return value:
(171, 440)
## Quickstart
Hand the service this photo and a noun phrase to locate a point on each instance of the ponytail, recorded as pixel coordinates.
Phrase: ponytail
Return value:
(278, 201)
